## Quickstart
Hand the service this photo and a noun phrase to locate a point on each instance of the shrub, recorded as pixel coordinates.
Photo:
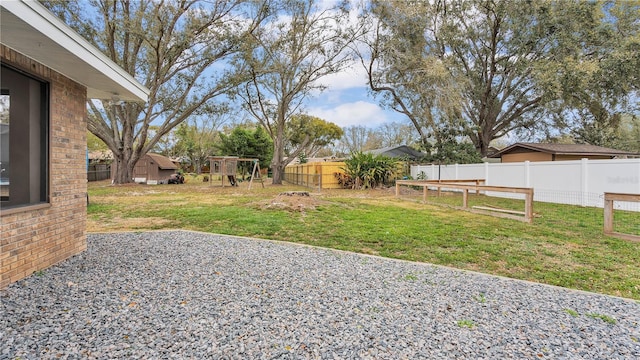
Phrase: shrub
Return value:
(368, 170)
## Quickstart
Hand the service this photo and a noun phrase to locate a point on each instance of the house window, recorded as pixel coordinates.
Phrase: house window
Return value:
(24, 139)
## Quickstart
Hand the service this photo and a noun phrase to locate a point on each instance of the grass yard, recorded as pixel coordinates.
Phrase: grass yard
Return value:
(565, 245)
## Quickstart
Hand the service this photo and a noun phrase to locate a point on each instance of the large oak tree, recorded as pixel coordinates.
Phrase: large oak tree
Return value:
(491, 67)
(299, 46)
(177, 49)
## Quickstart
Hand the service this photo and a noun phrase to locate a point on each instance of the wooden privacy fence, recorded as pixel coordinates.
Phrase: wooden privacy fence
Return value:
(97, 172)
(609, 199)
(320, 175)
(474, 185)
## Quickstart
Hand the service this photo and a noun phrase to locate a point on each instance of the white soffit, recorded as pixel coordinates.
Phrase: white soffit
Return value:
(30, 29)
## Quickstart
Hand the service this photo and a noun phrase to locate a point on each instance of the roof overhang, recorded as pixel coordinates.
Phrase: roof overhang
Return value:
(30, 29)
(567, 152)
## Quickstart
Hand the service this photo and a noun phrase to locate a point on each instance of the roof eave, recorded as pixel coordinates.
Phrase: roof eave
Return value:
(30, 29)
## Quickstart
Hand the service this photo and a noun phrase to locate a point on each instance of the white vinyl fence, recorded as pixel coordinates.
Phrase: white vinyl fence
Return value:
(581, 182)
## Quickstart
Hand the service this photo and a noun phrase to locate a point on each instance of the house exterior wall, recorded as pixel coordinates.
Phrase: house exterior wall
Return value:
(36, 237)
(520, 156)
(526, 156)
(561, 157)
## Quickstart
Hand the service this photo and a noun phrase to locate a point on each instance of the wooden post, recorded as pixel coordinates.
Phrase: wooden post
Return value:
(320, 179)
(465, 198)
(223, 170)
(425, 190)
(397, 189)
(210, 172)
(528, 206)
(608, 215)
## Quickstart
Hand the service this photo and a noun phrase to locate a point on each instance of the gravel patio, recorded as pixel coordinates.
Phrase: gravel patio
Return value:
(180, 294)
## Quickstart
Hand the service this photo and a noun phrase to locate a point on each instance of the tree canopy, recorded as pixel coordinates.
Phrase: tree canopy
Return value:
(497, 67)
(309, 133)
(301, 44)
(171, 47)
(247, 142)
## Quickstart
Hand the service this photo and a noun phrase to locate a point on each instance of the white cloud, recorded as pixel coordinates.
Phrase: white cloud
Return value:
(353, 113)
(352, 77)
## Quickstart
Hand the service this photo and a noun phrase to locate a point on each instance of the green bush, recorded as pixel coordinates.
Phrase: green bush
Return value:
(369, 171)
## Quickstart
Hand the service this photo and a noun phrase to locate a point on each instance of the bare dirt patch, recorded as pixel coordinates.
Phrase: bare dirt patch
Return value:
(291, 202)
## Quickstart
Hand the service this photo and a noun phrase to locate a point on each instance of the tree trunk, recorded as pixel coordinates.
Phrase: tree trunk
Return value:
(483, 140)
(277, 168)
(124, 170)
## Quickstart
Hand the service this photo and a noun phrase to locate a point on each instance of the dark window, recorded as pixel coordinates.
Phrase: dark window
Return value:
(24, 139)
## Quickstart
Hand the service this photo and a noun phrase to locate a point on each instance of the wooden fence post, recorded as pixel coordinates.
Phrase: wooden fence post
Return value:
(608, 214)
(465, 198)
(528, 206)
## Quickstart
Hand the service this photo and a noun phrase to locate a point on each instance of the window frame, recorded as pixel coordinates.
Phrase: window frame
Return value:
(44, 155)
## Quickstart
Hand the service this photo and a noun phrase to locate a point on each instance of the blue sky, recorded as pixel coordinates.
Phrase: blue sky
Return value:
(347, 102)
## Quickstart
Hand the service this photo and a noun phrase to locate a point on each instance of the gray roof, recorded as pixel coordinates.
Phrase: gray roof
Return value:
(564, 149)
(163, 162)
(399, 151)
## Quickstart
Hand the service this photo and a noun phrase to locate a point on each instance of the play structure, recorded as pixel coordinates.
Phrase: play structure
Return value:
(227, 167)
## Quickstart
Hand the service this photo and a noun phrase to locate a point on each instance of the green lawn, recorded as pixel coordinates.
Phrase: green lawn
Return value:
(565, 245)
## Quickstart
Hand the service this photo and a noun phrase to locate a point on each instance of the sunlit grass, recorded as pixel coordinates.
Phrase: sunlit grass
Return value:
(564, 246)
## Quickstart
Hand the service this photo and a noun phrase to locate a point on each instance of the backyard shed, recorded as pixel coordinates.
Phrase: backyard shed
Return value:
(520, 152)
(154, 169)
(48, 73)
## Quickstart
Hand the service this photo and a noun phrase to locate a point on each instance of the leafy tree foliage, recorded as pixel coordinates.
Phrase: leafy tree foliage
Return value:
(172, 48)
(94, 143)
(288, 56)
(310, 134)
(498, 67)
(196, 140)
(600, 81)
(247, 143)
(628, 134)
(449, 147)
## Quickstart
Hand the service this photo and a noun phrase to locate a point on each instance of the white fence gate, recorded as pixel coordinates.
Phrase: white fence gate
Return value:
(581, 182)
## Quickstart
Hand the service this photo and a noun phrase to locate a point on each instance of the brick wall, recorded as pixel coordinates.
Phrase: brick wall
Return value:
(38, 237)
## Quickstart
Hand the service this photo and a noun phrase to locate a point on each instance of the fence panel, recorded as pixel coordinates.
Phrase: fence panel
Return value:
(97, 172)
(577, 182)
(318, 175)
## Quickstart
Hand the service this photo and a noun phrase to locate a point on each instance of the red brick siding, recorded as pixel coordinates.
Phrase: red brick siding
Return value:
(35, 239)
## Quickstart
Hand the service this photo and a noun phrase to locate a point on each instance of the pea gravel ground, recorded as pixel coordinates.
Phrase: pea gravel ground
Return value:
(190, 295)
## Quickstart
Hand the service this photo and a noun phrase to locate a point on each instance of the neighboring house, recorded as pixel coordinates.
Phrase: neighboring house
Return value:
(48, 72)
(99, 165)
(520, 152)
(100, 157)
(296, 161)
(399, 151)
(153, 169)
